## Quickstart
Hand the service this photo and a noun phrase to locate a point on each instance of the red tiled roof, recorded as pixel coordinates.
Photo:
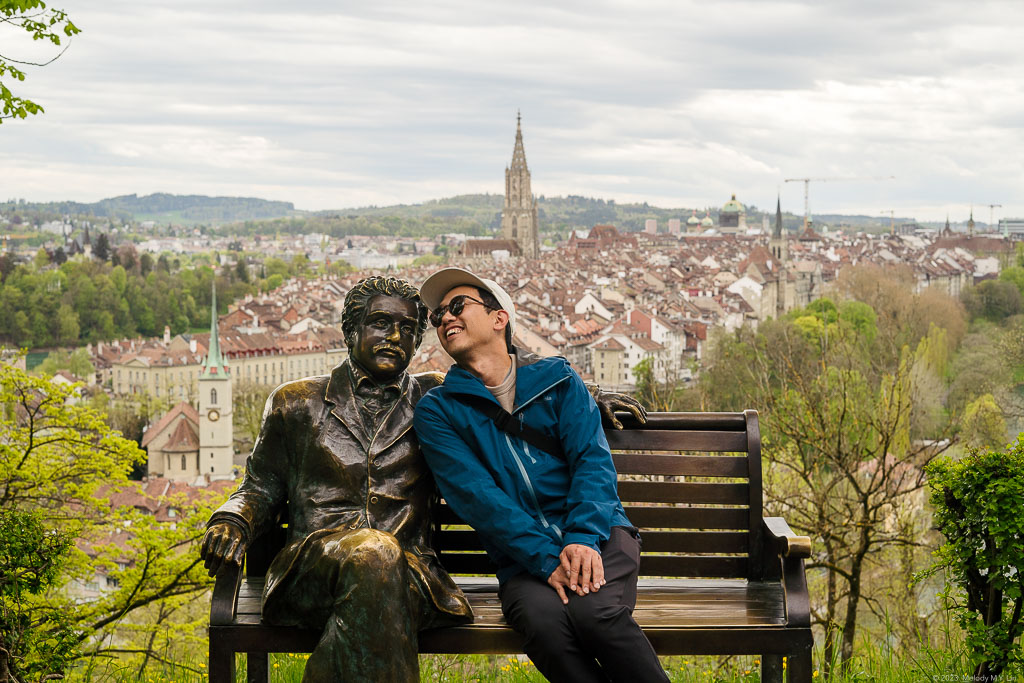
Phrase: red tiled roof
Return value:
(182, 408)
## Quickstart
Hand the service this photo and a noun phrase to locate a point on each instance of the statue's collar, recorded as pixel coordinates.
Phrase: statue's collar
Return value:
(348, 377)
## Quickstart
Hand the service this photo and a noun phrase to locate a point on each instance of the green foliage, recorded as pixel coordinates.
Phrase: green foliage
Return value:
(994, 300)
(983, 424)
(88, 301)
(60, 459)
(36, 638)
(1015, 276)
(977, 509)
(839, 412)
(76, 362)
(40, 22)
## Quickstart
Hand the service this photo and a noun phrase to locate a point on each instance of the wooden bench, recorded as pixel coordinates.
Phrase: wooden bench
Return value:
(716, 577)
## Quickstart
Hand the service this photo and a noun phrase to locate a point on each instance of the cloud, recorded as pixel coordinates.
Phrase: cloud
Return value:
(680, 103)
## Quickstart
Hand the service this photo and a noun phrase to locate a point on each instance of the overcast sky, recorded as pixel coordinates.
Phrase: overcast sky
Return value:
(680, 103)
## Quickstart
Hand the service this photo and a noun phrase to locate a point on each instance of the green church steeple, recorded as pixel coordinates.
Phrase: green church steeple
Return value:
(216, 364)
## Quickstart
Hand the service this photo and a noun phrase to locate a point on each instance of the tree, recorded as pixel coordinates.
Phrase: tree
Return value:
(59, 459)
(977, 509)
(983, 424)
(101, 250)
(32, 556)
(76, 362)
(993, 300)
(837, 422)
(42, 23)
(248, 401)
(670, 395)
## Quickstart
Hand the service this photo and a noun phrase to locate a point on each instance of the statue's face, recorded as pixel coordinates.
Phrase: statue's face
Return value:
(386, 338)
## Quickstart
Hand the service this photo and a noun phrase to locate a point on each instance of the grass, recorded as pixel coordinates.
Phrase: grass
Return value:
(872, 663)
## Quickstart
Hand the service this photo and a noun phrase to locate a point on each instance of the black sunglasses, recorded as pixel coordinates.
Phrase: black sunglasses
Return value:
(455, 306)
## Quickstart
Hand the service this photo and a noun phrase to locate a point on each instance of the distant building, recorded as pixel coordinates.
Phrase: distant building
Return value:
(732, 218)
(1012, 228)
(187, 445)
(519, 215)
(651, 226)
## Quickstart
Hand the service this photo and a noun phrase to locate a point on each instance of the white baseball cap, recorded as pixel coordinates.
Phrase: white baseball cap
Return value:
(434, 288)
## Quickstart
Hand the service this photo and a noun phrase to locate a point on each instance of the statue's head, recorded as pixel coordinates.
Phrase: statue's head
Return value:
(383, 323)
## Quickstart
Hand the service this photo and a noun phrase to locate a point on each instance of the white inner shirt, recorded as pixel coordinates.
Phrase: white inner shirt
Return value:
(505, 392)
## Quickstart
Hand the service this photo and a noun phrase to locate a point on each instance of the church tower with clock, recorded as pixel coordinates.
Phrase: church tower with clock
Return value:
(216, 437)
(519, 215)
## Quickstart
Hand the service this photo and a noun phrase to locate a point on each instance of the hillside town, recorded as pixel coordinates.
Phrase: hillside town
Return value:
(605, 299)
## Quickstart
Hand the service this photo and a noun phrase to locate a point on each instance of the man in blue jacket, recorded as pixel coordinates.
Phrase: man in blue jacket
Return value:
(540, 490)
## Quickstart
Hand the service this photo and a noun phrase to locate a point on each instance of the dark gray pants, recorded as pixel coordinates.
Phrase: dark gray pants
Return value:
(594, 637)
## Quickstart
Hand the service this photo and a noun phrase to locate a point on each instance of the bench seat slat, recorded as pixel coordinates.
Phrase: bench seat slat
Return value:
(662, 440)
(681, 465)
(661, 605)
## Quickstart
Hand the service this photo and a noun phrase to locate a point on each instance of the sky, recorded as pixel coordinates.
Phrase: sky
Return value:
(910, 106)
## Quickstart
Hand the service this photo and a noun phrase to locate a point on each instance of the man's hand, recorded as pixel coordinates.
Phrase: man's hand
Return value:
(224, 542)
(609, 402)
(559, 580)
(584, 568)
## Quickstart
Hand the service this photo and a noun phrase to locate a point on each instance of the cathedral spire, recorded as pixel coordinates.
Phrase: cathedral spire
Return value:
(518, 152)
(215, 363)
(778, 218)
(519, 215)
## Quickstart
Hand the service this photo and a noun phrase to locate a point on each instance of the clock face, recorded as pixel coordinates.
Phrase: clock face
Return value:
(213, 415)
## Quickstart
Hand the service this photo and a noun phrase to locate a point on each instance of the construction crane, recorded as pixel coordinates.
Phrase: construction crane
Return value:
(991, 215)
(892, 220)
(807, 193)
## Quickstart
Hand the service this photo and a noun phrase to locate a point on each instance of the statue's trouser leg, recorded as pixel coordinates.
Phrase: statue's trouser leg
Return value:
(357, 585)
(594, 637)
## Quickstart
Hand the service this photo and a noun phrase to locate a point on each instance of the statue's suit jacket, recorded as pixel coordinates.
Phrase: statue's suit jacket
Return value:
(314, 455)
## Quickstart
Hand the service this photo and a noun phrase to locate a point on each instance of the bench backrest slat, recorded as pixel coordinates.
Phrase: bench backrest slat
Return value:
(657, 440)
(683, 492)
(681, 465)
(690, 481)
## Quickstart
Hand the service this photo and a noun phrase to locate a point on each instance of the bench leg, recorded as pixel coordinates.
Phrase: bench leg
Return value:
(257, 667)
(222, 662)
(799, 667)
(771, 669)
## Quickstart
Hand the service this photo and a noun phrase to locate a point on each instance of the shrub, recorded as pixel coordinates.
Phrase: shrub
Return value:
(977, 502)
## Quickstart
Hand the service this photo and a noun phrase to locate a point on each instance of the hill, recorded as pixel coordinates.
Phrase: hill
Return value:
(169, 208)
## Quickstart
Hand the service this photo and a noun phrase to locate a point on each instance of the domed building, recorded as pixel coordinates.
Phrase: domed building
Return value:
(693, 224)
(732, 218)
(706, 222)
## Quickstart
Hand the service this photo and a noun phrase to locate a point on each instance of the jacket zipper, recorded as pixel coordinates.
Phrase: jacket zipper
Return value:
(529, 486)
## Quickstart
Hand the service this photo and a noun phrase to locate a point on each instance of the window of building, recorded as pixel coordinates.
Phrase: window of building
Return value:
(183, 465)
(213, 396)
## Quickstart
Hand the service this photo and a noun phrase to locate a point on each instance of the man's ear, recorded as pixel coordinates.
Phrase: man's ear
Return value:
(501, 322)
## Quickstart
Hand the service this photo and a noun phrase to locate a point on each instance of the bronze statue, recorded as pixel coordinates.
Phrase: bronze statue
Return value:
(339, 451)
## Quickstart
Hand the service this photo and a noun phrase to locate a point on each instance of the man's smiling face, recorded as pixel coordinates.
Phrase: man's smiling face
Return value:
(471, 328)
(386, 338)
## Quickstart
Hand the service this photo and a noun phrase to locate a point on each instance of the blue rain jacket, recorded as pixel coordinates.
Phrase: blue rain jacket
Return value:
(525, 503)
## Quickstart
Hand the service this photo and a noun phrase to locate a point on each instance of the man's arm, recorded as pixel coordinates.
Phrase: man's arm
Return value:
(470, 490)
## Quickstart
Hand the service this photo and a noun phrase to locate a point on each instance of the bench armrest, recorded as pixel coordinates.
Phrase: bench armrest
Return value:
(787, 543)
(225, 594)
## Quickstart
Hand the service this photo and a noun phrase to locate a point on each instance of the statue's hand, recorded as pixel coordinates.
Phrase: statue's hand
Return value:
(609, 402)
(224, 543)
